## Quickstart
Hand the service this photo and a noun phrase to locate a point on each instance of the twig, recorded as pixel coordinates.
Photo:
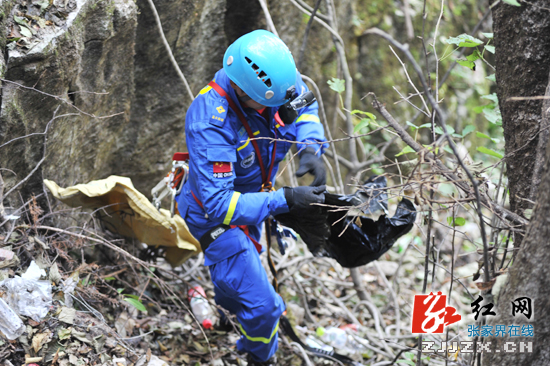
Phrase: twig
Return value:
(329, 134)
(438, 165)
(306, 33)
(41, 160)
(348, 93)
(452, 145)
(317, 19)
(268, 19)
(169, 50)
(56, 97)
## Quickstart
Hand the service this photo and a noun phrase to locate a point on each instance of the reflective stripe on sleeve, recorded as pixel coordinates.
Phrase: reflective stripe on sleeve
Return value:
(247, 141)
(231, 209)
(205, 90)
(308, 117)
(260, 339)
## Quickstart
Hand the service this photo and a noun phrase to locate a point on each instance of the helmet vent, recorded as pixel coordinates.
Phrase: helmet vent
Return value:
(261, 74)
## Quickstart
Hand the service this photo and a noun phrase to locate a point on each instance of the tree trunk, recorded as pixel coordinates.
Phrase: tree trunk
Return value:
(528, 276)
(522, 41)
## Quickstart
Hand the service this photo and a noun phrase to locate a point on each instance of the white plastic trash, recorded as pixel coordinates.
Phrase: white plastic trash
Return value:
(10, 324)
(27, 295)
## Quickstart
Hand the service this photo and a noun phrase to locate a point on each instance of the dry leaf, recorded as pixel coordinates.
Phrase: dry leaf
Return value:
(162, 347)
(483, 286)
(55, 357)
(148, 354)
(39, 340)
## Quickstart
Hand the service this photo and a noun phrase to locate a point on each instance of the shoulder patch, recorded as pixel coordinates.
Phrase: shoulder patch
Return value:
(219, 112)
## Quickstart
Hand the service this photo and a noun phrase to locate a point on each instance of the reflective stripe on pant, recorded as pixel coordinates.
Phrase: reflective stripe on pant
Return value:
(242, 287)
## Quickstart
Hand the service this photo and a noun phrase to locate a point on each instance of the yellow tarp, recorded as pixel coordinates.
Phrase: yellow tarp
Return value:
(129, 213)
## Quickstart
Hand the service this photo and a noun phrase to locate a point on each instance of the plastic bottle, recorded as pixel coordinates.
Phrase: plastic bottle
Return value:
(336, 337)
(10, 324)
(200, 306)
(315, 343)
(345, 343)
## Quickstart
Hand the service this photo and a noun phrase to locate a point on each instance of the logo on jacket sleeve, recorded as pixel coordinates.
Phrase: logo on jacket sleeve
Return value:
(218, 114)
(248, 161)
(223, 169)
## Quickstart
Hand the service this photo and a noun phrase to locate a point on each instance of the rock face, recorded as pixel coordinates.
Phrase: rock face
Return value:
(106, 91)
(89, 68)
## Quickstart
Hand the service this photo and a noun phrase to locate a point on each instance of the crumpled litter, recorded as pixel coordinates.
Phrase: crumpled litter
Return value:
(10, 324)
(68, 286)
(27, 295)
(351, 238)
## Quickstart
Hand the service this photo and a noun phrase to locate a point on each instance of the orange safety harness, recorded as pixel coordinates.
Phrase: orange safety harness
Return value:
(266, 182)
(267, 185)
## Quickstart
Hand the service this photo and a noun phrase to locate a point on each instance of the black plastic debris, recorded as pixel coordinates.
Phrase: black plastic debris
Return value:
(340, 229)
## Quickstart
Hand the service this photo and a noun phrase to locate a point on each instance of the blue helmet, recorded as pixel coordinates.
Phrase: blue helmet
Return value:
(262, 66)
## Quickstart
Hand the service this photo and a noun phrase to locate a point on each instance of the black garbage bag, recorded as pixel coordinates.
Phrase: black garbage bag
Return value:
(340, 230)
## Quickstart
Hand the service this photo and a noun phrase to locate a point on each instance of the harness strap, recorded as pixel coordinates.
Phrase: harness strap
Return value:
(266, 183)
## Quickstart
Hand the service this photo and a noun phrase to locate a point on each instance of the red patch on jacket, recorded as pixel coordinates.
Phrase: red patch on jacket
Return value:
(223, 170)
(222, 167)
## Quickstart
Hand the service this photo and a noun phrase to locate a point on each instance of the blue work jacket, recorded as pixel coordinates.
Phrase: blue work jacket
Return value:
(224, 172)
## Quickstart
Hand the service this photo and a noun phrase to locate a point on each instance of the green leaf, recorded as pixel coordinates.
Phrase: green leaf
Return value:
(370, 115)
(491, 77)
(490, 49)
(464, 40)
(43, 5)
(439, 130)
(469, 64)
(136, 303)
(365, 122)
(468, 129)
(478, 109)
(20, 21)
(488, 35)
(412, 125)
(487, 151)
(474, 56)
(338, 85)
(425, 125)
(119, 290)
(492, 97)
(482, 135)
(458, 221)
(493, 115)
(406, 150)
(132, 296)
(512, 2)
(64, 333)
(25, 32)
(108, 278)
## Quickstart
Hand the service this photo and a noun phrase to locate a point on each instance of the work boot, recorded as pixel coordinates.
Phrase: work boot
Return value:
(271, 362)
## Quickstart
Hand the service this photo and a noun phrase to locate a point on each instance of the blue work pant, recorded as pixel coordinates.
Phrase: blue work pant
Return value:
(242, 287)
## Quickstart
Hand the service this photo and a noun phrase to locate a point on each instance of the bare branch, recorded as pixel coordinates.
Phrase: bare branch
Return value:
(170, 54)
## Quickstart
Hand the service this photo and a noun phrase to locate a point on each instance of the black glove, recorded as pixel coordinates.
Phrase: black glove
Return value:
(311, 163)
(287, 114)
(300, 198)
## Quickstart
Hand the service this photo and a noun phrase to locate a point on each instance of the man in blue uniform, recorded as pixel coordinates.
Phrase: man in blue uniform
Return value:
(237, 131)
